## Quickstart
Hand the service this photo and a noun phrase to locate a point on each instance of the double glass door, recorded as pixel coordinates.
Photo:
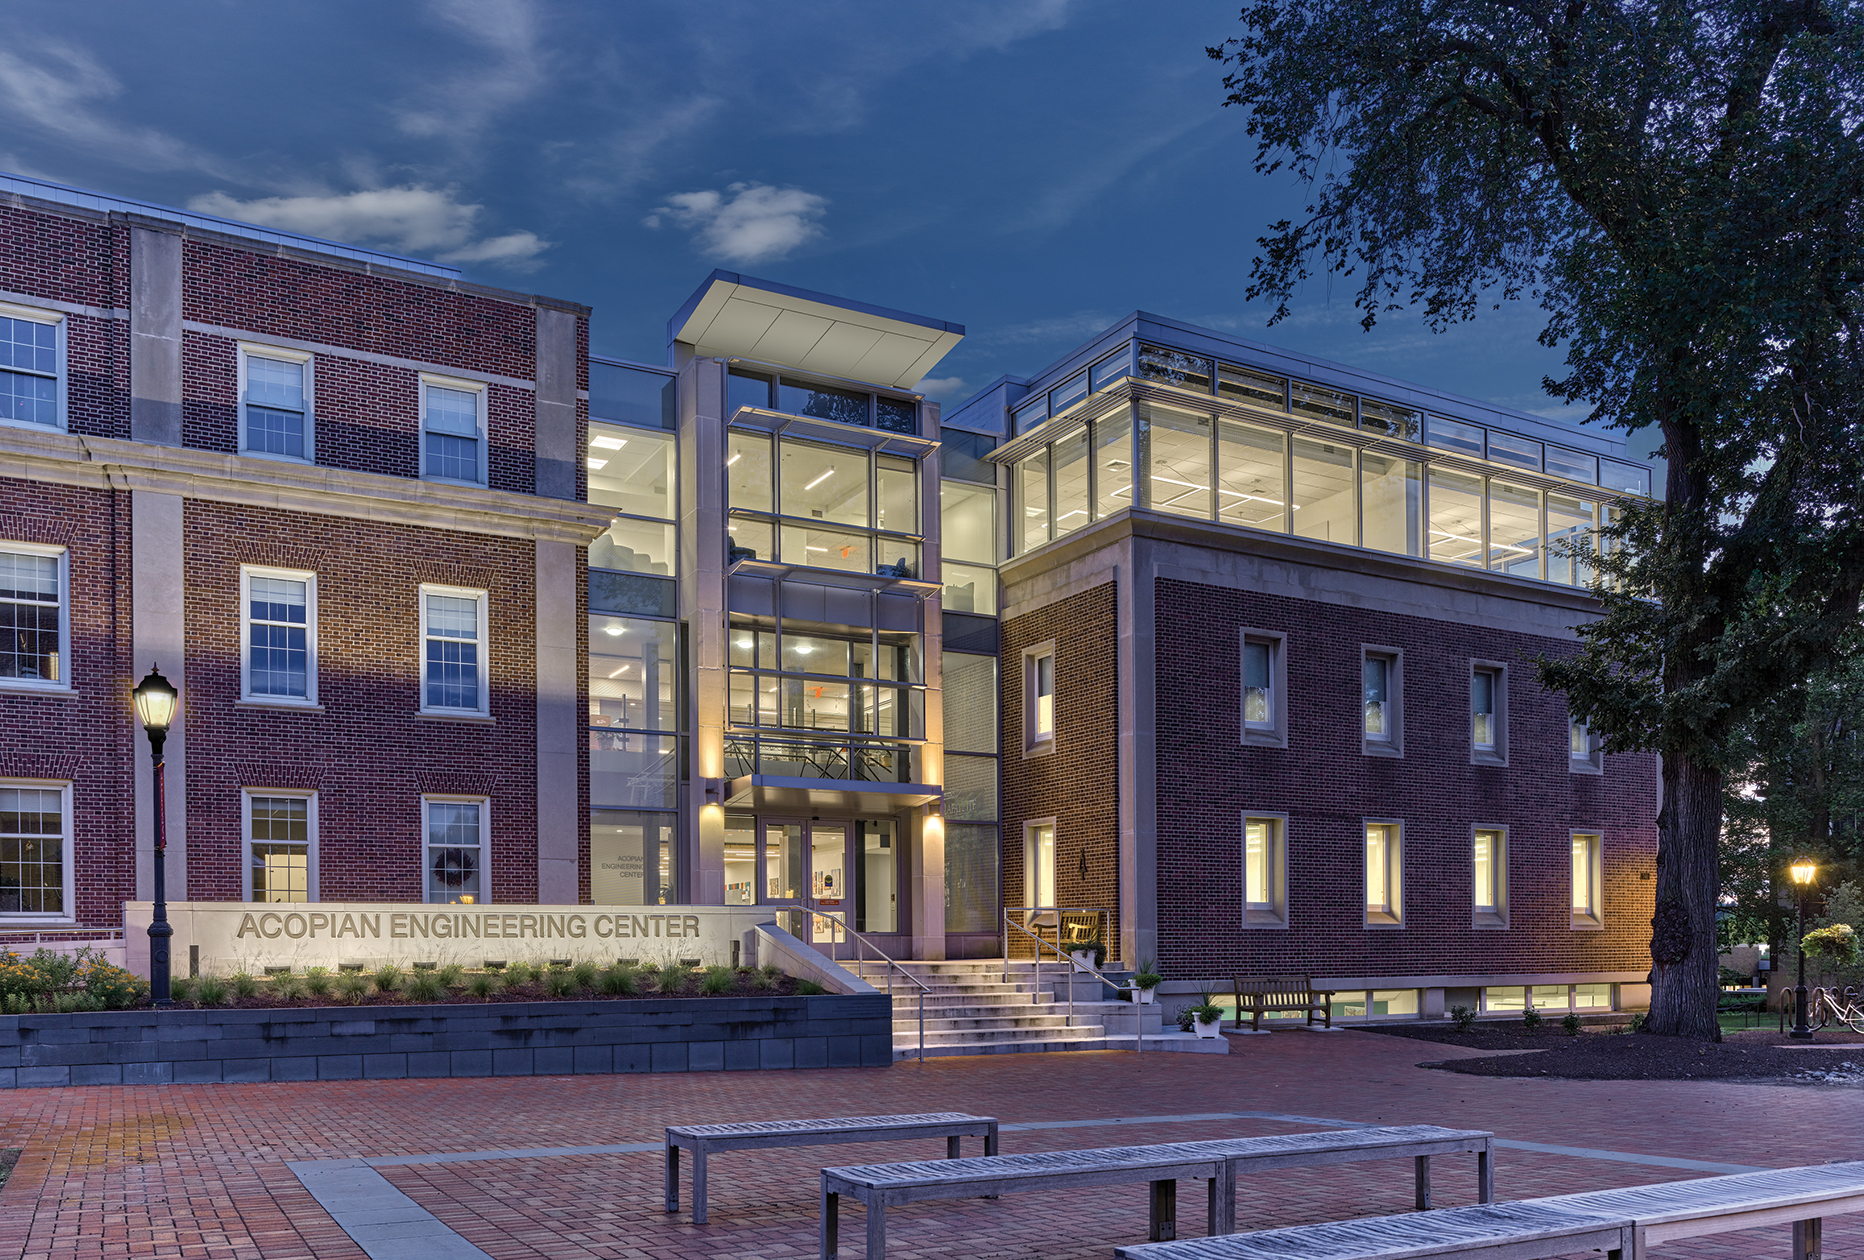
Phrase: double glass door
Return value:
(837, 871)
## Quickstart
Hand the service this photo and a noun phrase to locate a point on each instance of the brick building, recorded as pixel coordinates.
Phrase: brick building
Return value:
(336, 496)
(1233, 648)
(1269, 633)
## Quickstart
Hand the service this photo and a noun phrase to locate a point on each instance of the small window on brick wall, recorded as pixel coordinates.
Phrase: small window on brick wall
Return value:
(278, 624)
(32, 357)
(275, 403)
(35, 851)
(281, 846)
(1264, 689)
(1039, 699)
(1265, 871)
(35, 628)
(453, 446)
(456, 830)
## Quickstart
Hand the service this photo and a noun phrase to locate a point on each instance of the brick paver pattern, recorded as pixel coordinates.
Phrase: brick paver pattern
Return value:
(199, 1171)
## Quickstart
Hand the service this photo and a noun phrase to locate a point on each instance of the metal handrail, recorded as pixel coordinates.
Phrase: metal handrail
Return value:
(860, 939)
(1139, 1041)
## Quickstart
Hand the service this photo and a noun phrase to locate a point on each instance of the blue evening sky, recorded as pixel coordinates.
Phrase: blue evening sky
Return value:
(1032, 169)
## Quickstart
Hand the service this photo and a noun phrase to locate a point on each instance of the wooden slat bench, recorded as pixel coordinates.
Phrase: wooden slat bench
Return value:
(1282, 993)
(1624, 1223)
(880, 1186)
(707, 1139)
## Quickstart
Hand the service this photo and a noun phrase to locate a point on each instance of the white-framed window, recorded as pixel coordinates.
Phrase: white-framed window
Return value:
(35, 852)
(1488, 852)
(1584, 753)
(1381, 678)
(1039, 863)
(1588, 881)
(1488, 712)
(280, 827)
(453, 651)
(276, 408)
(35, 619)
(453, 425)
(32, 367)
(1384, 873)
(456, 830)
(1265, 870)
(1039, 698)
(278, 636)
(1264, 689)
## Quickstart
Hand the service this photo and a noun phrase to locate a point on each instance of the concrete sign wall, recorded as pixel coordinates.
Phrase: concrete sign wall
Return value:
(233, 935)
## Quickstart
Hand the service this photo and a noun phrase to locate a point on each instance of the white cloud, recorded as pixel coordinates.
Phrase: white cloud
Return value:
(56, 89)
(747, 223)
(413, 219)
(459, 105)
(941, 386)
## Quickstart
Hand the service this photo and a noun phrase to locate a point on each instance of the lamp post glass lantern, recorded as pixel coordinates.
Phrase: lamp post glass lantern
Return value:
(156, 701)
(1802, 871)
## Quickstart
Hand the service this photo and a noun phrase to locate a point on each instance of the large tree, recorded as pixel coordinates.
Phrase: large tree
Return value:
(1678, 186)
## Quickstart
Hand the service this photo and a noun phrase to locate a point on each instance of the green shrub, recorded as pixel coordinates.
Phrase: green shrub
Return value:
(1204, 1009)
(114, 988)
(1464, 1017)
(21, 978)
(452, 975)
(317, 981)
(1148, 977)
(1532, 1019)
(210, 991)
(287, 988)
(717, 980)
(759, 979)
(243, 985)
(353, 987)
(1636, 1025)
(559, 984)
(425, 986)
(518, 973)
(809, 988)
(181, 989)
(386, 977)
(585, 974)
(672, 979)
(621, 980)
(771, 972)
(482, 984)
(1570, 1025)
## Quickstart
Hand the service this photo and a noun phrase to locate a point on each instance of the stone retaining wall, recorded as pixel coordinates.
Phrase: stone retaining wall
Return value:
(344, 1043)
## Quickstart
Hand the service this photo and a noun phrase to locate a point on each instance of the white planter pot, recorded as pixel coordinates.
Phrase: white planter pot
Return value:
(1146, 996)
(1083, 959)
(1207, 1028)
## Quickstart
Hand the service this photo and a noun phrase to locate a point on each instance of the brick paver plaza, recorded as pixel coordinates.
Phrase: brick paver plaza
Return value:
(205, 1170)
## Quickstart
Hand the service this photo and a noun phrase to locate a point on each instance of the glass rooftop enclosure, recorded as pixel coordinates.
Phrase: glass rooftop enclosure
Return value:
(1184, 421)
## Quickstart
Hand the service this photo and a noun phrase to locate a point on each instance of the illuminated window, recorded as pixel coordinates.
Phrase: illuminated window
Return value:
(1489, 861)
(1265, 867)
(1384, 874)
(1039, 685)
(455, 850)
(280, 835)
(1588, 890)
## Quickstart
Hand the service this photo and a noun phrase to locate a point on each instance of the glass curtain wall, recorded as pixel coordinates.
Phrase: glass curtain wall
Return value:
(635, 669)
(971, 808)
(824, 506)
(1209, 467)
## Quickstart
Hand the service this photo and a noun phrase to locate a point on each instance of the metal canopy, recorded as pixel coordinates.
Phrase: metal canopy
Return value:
(775, 793)
(741, 316)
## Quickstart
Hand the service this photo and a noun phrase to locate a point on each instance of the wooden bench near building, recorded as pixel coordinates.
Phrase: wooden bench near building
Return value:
(1262, 994)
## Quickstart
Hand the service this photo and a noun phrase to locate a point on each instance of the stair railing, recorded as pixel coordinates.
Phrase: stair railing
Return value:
(1009, 925)
(860, 942)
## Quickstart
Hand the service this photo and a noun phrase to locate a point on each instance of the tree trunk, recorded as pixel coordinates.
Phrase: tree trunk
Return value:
(1685, 985)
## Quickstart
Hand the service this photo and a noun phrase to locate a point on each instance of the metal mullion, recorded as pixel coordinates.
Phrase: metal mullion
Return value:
(1093, 470)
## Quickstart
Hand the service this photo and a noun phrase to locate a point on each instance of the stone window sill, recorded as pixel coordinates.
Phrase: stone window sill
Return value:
(273, 707)
(469, 719)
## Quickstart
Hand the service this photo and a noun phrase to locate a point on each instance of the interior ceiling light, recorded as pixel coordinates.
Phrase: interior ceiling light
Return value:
(733, 459)
(744, 643)
(608, 443)
(616, 630)
(597, 463)
(830, 472)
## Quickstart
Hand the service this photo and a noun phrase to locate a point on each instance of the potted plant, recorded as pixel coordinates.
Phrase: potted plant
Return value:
(1088, 954)
(1146, 981)
(1204, 1018)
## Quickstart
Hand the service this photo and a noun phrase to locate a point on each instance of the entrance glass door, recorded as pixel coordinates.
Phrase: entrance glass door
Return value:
(805, 865)
(828, 883)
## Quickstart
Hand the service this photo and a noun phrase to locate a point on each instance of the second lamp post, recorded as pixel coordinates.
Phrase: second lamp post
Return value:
(156, 700)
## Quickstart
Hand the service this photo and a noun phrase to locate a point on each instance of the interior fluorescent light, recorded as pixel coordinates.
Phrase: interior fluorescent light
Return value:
(596, 463)
(733, 459)
(608, 443)
(615, 630)
(744, 643)
(819, 480)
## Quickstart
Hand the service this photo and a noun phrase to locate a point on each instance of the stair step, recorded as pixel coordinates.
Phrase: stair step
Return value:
(910, 1027)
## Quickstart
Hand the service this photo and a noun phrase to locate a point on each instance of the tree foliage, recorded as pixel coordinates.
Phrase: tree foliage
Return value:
(1678, 187)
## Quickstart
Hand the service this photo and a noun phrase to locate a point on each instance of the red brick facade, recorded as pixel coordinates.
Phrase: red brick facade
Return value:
(368, 753)
(1078, 784)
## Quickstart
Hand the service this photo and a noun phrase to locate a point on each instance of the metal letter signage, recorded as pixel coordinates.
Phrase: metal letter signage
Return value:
(234, 936)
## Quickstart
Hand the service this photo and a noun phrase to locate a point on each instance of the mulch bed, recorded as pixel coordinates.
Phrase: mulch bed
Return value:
(783, 986)
(1618, 1056)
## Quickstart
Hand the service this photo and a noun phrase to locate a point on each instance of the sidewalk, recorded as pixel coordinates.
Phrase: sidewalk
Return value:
(202, 1170)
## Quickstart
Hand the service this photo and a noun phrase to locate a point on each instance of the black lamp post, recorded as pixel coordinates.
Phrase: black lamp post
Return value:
(156, 700)
(1802, 870)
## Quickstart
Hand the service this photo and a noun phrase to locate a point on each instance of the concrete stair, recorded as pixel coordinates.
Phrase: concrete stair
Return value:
(971, 1009)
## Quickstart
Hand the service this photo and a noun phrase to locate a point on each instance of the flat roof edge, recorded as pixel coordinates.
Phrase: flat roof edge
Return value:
(720, 276)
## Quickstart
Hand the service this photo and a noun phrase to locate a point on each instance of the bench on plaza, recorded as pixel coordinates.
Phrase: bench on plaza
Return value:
(754, 1135)
(880, 1186)
(1624, 1223)
(1282, 993)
